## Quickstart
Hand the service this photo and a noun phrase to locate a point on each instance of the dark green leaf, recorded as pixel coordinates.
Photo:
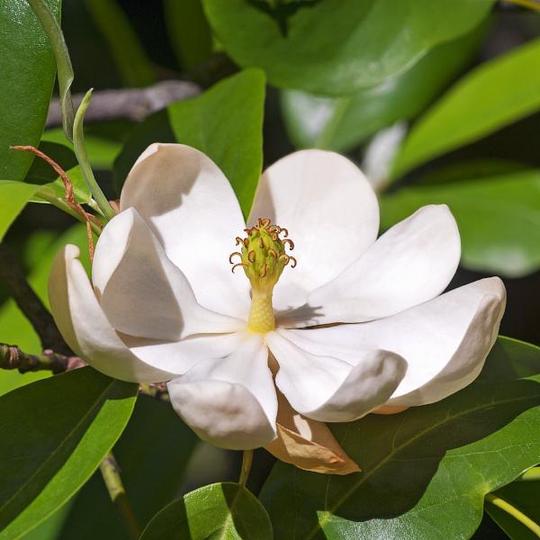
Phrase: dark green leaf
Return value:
(55, 432)
(28, 69)
(188, 31)
(524, 497)
(342, 123)
(216, 511)
(131, 60)
(335, 47)
(225, 123)
(490, 97)
(497, 217)
(152, 454)
(425, 471)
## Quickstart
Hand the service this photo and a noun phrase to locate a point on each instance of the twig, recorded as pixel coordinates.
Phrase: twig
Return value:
(130, 103)
(11, 357)
(12, 275)
(113, 482)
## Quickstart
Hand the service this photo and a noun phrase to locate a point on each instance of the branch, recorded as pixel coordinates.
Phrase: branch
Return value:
(29, 303)
(11, 357)
(113, 482)
(129, 103)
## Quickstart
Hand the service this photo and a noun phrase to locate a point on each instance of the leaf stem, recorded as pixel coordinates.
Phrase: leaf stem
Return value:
(113, 482)
(514, 512)
(82, 158)
(64, 68)
(247, 461)
(532, 474)
(531, 4)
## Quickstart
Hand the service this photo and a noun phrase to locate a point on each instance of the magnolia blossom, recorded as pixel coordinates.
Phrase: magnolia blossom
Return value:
(351, 324)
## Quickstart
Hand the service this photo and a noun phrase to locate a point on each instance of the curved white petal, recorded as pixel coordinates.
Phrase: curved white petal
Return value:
(330, 211)
(85, 327)
(192, 208)
(444, 341)
(182, 355)
(142, 292)
(411, 263)
(231, 401)
(330, 387)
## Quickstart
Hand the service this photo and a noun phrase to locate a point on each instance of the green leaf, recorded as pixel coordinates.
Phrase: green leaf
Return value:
(189, 32)
(224, 510)
(427, 470)
(225, 123)
(342, 123)
(472, 108)
(497, 217)
(55, 434)
(524, 497)
(129, 55)
(14, 196)
(101, 151)
(27, 67)
(152, 453)
(335, 47)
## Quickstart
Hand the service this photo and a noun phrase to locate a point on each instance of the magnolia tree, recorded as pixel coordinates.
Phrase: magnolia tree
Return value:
(222, 349)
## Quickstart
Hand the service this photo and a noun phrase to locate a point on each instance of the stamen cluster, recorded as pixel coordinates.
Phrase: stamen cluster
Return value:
(263, 253)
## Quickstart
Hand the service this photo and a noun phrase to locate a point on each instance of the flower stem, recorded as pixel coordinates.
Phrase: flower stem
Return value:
(247, 461)
(117, 492)
(82, 157)
(514, 512)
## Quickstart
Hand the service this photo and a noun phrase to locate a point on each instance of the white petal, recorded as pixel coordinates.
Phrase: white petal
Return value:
(231, 401)
(183, 355)
(412, 262)
(330, 211)
(192, 209)
(445, 341)
(329, 387)
(141, 291)
(86, 328)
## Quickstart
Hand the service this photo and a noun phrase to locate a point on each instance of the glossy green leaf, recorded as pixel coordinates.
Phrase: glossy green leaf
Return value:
(28, 69)
(14, 327)
(335, 47)
(225, 123)
(497, 218)
(224, 510)
(55, 432)
(342, 123)
(152, 453)
(14, 196)
(523, 496)
(189, 32)
(490, 97)
(425, 471)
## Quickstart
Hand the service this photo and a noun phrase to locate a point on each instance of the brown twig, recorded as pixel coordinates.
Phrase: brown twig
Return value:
(12, 275)
(130, 103)
(12, 357)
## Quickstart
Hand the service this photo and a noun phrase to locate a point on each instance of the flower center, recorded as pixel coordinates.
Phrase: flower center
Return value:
(263, 258)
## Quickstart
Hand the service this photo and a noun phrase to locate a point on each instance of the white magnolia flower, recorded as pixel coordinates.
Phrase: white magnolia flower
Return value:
(357, 324)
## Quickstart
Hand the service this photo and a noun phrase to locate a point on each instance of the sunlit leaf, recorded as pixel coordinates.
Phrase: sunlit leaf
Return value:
(66, 425)
(497, 217)
(335, 47)
(216, 511)
(473, 108)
